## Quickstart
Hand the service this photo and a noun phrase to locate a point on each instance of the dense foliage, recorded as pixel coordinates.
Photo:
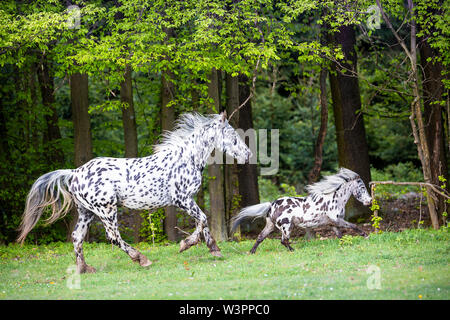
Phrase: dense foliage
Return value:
(279, 43)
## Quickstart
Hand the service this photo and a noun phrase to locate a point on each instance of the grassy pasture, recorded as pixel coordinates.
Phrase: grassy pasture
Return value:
(413, 264)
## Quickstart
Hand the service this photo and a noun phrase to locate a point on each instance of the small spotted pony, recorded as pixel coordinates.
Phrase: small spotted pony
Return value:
(171, 176)
(325, 205)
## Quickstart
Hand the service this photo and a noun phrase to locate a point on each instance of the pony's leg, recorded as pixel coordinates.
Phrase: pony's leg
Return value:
(264, 233)
(112, 233)
(337, 232)
(339, 222)
(285, 234)
(85, 217)
(285, 242)
(202, 226)
(310, 234)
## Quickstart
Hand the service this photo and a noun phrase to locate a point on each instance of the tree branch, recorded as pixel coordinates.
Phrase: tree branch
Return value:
(399, 39)
(434, 187)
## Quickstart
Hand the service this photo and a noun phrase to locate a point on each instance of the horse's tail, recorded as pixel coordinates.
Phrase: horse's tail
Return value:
(46, 191)
(255, 211)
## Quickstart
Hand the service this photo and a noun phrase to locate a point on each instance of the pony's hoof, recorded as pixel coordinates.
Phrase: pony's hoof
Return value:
(217, 254)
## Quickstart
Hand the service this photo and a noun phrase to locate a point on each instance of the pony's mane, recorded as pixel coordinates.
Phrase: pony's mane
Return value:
(332, 183)
(184, 126)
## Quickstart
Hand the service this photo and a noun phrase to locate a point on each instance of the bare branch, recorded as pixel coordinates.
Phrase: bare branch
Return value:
(252, 91)
(399, 39)
(434, 187)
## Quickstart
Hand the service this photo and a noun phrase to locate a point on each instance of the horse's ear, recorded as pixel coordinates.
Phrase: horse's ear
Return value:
(224, 116)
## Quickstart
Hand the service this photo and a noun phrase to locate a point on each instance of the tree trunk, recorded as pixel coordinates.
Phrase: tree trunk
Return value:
(167, 122)
(416, 112)
(130, 137)
(233, 198)
(215, 172)
(53, 152)
(248, 173)
(33, 131)
(81, 121)
(5, 158)
(418, 130)
(5, 155)
(79, 95)
(200, 197)
(128, 115)
(433, 90)
(350, 132)
(314, 174)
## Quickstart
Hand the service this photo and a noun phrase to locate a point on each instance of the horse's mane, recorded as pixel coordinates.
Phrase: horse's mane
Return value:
(332, 183)
(185, 125)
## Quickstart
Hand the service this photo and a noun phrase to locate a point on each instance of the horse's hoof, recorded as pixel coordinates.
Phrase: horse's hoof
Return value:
(217, 254)
(86, 269)
(144, 262)
(90, 269)
(183, 246)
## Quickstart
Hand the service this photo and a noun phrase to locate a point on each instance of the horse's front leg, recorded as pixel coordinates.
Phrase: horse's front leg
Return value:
(193, 239)
(202, 226)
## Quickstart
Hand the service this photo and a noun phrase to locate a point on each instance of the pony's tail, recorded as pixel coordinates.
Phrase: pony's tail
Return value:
(46, 191)
(256, 211)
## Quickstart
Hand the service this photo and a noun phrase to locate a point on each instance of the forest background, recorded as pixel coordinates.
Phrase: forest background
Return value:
(356, 84)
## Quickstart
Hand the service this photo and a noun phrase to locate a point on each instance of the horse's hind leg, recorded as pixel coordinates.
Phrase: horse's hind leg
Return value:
(112, 232)
(210, 242)
(85, 217)
(264, 233)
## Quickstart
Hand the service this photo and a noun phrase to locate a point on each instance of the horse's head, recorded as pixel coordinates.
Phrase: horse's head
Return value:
(359, 191)
(229, 141)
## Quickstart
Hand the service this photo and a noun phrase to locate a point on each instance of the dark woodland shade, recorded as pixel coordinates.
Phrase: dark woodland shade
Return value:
(353, 151)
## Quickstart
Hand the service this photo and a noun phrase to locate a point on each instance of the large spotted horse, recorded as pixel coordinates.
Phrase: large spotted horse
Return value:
(170, 176)
(325, 205)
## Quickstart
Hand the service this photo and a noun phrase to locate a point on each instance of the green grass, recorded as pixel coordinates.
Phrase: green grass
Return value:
(413, 264)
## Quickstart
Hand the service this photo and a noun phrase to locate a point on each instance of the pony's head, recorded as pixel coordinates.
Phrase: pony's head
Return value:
(346, 177)
(229, 141)
(359, 191)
